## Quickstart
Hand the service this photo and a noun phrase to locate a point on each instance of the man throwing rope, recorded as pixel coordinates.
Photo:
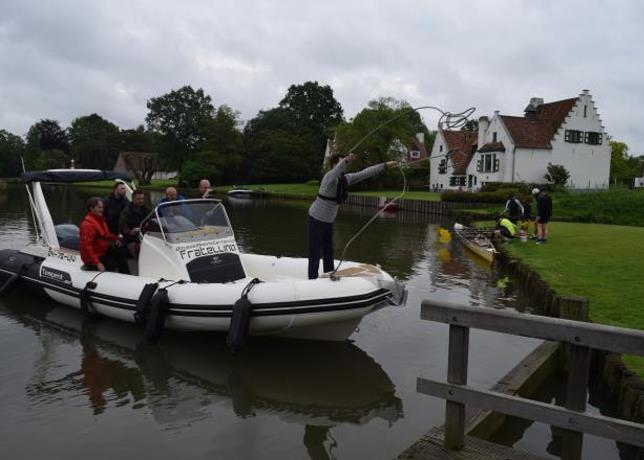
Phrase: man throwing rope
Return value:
(333, 192)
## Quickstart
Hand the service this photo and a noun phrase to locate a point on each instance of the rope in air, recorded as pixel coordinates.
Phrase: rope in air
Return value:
(447, 120)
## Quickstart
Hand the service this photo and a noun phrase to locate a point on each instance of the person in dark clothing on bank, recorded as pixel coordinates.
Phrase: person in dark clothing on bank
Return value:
(527, 215)
(513, 209)
(130, 222)
(114, 204)
(544, 212)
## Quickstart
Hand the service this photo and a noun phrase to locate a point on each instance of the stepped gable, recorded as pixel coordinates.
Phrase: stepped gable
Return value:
(461, 147)
(537, 132)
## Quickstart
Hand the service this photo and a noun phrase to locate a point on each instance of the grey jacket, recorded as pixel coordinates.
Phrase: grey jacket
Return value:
(326, 210)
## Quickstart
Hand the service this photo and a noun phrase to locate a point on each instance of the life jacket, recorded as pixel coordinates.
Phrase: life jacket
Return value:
(507, 224)
(94, 238)
(341, 191)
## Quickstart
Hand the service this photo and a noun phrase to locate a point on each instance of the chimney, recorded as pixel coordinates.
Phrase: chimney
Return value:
(484, 123)
(532, 110)
(420, 137)
(585, 92)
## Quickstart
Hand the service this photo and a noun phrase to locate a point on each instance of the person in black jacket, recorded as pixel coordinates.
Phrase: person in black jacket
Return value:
(130, 222)
(544, 212)
(114, 204)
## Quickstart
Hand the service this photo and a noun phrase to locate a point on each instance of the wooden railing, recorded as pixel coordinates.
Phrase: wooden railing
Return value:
(582, 337)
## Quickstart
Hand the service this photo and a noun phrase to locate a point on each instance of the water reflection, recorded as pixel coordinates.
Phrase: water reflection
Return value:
(316, 385)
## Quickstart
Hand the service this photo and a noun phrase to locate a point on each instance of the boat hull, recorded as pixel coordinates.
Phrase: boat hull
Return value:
(282, 306)
(485, 251)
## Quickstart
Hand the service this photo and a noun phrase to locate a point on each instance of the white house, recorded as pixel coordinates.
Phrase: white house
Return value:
(518, 149)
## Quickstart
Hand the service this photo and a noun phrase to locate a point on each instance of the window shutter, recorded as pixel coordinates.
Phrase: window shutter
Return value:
(496, 165)
(479, 165)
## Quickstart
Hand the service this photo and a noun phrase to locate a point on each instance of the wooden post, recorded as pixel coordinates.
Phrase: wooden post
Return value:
(459, 338)
(578, 370)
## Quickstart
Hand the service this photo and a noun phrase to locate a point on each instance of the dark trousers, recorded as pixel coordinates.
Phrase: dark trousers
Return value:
(115, 261)
(320, 242)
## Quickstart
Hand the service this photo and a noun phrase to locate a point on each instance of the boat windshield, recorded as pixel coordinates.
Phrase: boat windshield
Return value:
(189, 220)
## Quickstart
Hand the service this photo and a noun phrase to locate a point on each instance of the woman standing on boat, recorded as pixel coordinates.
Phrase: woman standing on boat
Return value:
(333, 192)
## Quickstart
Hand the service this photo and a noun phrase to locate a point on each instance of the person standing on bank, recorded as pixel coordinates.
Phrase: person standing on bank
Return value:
(513, 208)
(114, 204)
(544, 212)
(333, 192)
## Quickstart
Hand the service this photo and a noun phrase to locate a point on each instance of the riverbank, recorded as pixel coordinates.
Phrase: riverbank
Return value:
(600, 262)
(307, 190)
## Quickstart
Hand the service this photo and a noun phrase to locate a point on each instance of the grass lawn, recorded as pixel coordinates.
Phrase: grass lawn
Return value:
(156, 184)
(312, 190)
(601, 262)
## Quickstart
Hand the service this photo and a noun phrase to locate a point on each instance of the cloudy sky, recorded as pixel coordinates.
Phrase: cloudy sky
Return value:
(67, 58)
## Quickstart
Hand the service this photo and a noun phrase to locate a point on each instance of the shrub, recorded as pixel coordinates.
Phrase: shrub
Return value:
(481, 197)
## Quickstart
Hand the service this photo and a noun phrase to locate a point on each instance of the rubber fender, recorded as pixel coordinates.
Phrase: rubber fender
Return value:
(9, 284)
(239, 323)
(84, 301)
(156, 316)
(144, 302)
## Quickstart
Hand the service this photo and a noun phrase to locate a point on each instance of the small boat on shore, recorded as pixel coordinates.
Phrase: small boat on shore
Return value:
(243, 193)
(475, 240)
(191, 275)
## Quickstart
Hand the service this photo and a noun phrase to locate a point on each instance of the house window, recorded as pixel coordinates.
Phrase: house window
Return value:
(573, 136)
(440, 148)
(585, 111)
(442, 166)
(414, 154)
(494, 136)
(593, 138)
(488, 163)
(455, 181)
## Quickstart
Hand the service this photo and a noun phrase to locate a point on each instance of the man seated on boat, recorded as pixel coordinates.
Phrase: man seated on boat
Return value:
(130, 222)
(505, 227)
(204, 188)
(171, 194)
(99, 248)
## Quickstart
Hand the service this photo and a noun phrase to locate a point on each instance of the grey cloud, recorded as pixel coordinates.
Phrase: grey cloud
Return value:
(76, 57)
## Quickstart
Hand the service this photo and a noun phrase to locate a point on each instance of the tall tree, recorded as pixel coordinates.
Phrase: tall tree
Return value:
(11, 149)
(136, 140)
(377, 128)
(181, 117)
(220, 157)
(313, 113)
(95, 142)
(44, 136)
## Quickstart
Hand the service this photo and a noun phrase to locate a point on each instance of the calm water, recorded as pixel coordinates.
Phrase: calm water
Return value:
(72, 387)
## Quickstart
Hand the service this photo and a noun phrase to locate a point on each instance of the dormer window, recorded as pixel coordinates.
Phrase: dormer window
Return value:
(573, 136)
(593, 138)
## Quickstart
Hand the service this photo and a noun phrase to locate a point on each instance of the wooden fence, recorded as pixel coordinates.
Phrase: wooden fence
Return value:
(582, 337)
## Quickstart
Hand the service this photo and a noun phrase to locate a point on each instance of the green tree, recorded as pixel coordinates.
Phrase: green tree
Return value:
(95, 142)
(221, 155)
(11, 150)
(557, 174)
(42, 136)
(383, 124)
(51, 159)
(181, 118)
(276, 157)
(136, 140)
(623, 167)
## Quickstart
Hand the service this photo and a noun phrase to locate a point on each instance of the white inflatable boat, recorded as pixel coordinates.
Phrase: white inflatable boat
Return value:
(188, 251)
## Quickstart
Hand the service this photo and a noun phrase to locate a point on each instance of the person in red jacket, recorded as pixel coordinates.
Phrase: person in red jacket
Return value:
(98, 246)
